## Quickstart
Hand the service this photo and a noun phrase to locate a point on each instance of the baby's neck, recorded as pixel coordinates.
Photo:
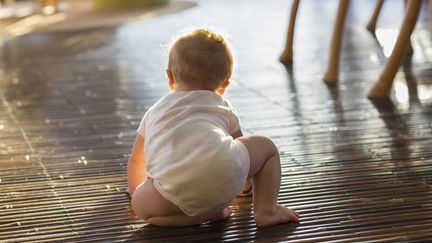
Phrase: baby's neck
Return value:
(184, 87)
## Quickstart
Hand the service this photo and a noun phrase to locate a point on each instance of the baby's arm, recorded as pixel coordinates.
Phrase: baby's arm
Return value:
(136, 171)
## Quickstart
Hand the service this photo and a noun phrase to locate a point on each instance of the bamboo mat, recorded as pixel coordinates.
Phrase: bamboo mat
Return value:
(355, 169)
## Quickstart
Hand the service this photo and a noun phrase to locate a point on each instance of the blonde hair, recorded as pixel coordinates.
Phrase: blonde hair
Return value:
(201, 57)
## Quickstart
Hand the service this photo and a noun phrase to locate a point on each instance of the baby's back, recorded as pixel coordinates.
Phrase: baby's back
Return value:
(189, 149)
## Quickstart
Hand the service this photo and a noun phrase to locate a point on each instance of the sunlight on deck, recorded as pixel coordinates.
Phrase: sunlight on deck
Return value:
(425, 93)
(387, 39)
(401, 92)
(31, 23)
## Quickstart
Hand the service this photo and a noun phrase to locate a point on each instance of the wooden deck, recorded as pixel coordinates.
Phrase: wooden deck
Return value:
(355, 169)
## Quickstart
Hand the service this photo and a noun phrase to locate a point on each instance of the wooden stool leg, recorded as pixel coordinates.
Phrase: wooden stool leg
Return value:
(331, 75)
(287, 54)
(410, 49)
(371, 26)
(385, 82)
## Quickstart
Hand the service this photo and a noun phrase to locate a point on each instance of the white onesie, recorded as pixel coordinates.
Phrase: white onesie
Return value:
(191, 157)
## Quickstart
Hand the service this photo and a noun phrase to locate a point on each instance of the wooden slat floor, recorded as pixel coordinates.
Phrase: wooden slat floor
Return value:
(355, 169)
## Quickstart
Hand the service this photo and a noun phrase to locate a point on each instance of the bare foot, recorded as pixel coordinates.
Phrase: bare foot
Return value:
(279, 215)
(218, 216)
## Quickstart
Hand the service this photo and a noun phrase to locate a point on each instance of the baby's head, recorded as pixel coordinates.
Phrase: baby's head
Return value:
(201, 59)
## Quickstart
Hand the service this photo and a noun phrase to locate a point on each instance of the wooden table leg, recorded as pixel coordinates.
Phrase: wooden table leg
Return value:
(385, 82)
(371, 26)
(331, 75)
(287, 54)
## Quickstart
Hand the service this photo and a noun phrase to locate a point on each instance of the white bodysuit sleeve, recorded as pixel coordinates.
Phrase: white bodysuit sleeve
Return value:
(141, 128)
(234, 121)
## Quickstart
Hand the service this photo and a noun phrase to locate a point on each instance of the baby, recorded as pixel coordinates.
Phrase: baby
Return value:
(190, 159)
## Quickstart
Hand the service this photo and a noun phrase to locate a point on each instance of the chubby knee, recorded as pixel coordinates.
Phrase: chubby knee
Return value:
(263, 143)
(270, 145)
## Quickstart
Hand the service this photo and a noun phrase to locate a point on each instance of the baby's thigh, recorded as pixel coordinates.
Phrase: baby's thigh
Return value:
(260, 150)
(147, 202)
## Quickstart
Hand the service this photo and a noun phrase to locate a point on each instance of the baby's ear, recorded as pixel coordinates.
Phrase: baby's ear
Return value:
(221, 89)
(170, 79)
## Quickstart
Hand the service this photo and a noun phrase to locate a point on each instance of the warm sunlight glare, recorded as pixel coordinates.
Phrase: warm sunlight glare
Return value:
(421, 43)
(387, 39)
(401, 92)
(424, 93)
(29, 24)
(48, 10)
(148, 15)
(373, 57)
(22, 12)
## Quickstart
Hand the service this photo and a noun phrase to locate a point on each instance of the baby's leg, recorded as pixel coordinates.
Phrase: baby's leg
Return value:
(181, 219)
(150, 205)
(266, 175)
